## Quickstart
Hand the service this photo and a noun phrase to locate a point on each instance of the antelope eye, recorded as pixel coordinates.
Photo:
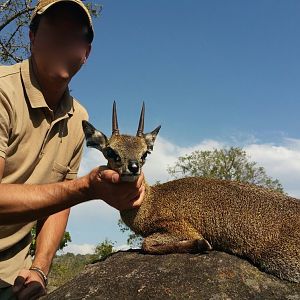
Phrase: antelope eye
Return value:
(110, 153)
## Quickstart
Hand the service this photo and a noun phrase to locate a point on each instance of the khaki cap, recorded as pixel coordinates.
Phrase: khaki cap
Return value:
(43, 5)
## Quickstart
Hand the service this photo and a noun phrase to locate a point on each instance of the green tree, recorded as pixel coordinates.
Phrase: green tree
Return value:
(65, 267)
(103, 250)
(229, 164)
(64, 242)
(14, 22)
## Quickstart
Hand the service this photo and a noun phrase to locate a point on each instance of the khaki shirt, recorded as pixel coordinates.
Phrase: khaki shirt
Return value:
(38, 145)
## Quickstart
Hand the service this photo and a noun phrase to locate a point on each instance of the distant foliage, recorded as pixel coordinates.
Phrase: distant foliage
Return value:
(65, 267)
(103, 250)
(229, 164)
(64, 242)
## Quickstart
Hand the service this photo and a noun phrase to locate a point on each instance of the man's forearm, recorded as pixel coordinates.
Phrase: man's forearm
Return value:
(49, 236)
(20, 202)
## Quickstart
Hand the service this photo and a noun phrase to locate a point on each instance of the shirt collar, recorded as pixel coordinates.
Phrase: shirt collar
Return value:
(35, 95)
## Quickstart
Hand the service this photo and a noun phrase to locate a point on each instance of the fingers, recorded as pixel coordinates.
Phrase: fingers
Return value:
(32, 291)
(138, 191)
(108, 175)
(112, 176)
(20, 281)
(138, 201)
(18, 284)
(26, 287)
(140, 180)
(107, 185)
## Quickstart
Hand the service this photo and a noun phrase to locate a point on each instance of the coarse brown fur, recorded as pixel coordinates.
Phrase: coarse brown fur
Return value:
(249, 221)
(198, 214)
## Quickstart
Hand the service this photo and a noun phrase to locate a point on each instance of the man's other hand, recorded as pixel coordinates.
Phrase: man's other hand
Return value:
(29, 285)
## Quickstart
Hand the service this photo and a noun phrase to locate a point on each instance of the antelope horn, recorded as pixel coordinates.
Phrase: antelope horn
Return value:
(115, 127)
(140, 130)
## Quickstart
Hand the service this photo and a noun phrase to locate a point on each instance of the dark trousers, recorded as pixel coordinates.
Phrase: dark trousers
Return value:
(7, 294)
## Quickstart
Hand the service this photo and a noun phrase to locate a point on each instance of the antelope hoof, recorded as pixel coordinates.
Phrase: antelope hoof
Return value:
(204, 245)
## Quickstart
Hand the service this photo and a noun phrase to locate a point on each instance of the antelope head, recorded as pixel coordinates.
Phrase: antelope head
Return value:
(126, 154)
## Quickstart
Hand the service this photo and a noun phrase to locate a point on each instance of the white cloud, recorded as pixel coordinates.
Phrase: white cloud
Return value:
(121, 247)
(79, 249)
(280, 161)
(165, 154)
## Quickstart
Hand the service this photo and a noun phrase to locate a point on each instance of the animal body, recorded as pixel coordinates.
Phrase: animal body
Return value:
(197, 214)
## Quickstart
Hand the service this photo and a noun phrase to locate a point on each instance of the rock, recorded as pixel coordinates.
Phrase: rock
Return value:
(214, 276)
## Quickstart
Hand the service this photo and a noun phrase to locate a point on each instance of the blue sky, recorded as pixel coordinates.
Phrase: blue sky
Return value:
(212, 73)
(204, 68)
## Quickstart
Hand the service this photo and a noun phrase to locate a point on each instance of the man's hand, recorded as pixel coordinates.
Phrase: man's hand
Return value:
(106, 185)
(29, 285)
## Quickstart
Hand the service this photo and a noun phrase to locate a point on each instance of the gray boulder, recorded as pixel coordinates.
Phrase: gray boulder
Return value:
(213, 276)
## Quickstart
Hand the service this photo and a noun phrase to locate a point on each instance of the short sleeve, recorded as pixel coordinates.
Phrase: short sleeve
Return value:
(6, 116)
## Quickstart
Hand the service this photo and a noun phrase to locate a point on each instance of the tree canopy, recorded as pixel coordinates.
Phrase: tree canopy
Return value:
(229, 164)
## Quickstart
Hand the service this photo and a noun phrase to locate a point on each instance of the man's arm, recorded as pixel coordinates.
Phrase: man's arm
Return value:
(47, 199)
(30, 283)
(50, 232)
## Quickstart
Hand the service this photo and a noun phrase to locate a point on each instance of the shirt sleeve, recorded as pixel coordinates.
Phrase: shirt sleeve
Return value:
(6, 119)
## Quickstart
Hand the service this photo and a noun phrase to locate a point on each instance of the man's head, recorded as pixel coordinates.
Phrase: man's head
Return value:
(61, 34)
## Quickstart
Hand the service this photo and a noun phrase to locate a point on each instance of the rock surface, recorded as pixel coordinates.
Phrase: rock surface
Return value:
(214, 276)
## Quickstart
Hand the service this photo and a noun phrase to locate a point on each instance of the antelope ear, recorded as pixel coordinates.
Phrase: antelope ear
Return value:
(150, 137)
(94, 138)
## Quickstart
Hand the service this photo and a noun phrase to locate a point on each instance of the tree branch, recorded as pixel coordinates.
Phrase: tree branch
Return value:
(15, 16)
(7, 52)
(4, 5)
(12, 35)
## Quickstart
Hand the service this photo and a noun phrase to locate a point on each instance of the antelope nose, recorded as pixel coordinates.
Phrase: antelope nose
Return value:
(133, 166)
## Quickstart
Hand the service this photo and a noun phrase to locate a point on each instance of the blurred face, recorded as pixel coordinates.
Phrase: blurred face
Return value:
(60, 45)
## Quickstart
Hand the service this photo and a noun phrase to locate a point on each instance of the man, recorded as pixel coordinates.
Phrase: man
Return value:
(41, 145)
